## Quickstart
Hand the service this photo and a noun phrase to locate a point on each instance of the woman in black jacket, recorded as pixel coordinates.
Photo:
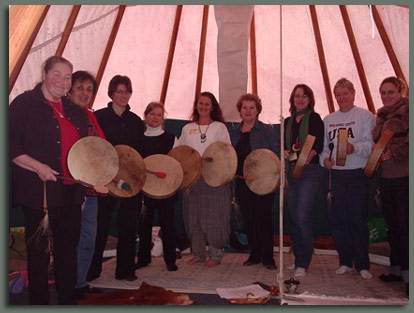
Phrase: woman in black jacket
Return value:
(43, 127)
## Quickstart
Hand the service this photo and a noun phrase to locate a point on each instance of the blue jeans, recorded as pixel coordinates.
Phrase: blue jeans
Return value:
(86, 246)
(301, 197)
(348, 217)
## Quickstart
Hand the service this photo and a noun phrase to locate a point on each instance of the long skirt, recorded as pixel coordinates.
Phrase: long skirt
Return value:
(206, 213)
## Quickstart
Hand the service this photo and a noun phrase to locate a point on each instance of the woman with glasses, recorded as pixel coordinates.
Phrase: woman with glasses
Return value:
(121, 127)
(302, 192)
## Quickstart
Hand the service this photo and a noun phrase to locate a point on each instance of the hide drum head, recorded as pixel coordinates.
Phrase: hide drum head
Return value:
(375, 158)
(219, 164)
(161, 188)
(191, 164)
(304, 154)
(131, 172)
(341, 147)
(261, 170)
(93, 160)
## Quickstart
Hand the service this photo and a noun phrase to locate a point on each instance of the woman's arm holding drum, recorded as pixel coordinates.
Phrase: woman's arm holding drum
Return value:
(363, 147)
(316, 128)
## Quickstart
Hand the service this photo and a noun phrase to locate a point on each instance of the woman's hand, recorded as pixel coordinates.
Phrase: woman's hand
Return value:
(312, 153)
(386, 155)
(45, 172)
(328, 163)
(286, 154)
(350, 148)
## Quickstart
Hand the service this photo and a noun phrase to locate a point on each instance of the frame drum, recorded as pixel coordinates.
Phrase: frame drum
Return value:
(191, 163)
(375, 158)
(161, 188)
(93, 160)
(304, 153)
(131, 171)
(219, 164)
(341, 147)
(261, 170)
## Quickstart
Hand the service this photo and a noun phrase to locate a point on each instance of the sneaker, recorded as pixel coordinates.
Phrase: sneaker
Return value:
(342, 270)
(365, 274)
(291, 267)
(300, 271)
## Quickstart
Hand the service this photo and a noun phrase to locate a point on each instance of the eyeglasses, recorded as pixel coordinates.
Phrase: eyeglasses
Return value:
(301, 97)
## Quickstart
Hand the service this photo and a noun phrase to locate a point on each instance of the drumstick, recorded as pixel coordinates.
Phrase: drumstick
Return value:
(123, 185)
(99, 189)
(331, 147)
(158, 174)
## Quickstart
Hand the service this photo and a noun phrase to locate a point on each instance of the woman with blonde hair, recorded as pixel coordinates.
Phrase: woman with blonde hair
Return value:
(157, 141)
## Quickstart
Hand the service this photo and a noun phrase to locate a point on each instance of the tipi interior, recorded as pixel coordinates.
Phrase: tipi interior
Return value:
(172, 52)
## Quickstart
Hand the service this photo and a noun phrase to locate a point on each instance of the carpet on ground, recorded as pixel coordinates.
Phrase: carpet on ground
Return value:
(320, 283)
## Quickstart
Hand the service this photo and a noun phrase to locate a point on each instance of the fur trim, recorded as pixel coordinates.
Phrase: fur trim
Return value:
(395, 118)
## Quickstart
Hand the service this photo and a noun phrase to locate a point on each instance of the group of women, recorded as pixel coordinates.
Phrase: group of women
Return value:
(46, 121)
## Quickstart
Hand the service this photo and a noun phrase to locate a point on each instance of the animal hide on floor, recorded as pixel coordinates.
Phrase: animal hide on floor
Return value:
(145, 295)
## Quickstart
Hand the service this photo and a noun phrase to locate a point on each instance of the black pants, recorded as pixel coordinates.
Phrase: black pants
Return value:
(65, 224)
(395, 201)
(257, 215)
(165, 209)
(127, 211)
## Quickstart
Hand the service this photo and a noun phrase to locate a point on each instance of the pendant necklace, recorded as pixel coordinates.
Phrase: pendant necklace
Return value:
(203, 136)
(58, 112)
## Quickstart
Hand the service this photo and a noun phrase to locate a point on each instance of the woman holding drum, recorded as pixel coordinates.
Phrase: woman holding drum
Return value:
(249, 135)
(44, 125)
(81, 93)
(302, 191)
(121, 127)
(206, 209)
(157, 141)
(394, 175)
(348, 212)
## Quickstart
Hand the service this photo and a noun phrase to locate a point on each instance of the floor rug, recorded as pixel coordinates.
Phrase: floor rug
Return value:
(320, 283)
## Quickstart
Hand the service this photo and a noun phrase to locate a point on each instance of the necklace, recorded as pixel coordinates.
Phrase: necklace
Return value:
(203, 136)
(52, 104)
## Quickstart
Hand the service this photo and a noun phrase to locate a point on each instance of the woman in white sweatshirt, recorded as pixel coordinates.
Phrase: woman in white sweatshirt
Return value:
(348, 212)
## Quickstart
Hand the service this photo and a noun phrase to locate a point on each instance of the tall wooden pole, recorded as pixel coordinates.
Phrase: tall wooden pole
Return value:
(357, 58)
(68, 30)
(253, 57)
(24, 24)
(388, 46)
(171, 51)
(322, 59)
(202, 50)
(108, 48)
